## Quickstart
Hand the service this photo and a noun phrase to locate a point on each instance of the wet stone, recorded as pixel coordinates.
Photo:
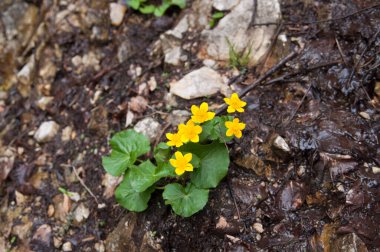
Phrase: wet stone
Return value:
(248, 192)
(292, 196)
(348, 243)
(252, 162)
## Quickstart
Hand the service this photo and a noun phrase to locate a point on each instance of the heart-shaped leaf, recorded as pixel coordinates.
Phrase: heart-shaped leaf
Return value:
(185, 201)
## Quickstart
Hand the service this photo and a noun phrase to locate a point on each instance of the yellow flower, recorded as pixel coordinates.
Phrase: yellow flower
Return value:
(189, 132)
(201, 114)
(174, 139)
(182, 162)
(235, 104)
(234, 128)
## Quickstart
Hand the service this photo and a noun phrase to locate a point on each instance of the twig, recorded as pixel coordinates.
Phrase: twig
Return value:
(324, 20)
(262, 78)
(341, 52)
(233, 198)
(83, 184)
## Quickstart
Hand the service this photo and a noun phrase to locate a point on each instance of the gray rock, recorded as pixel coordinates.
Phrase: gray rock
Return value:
(149, 127)
(124, 51)
(67, 246)
(179, 116)
(224, 5)
(199, 83)
(46, 132)
(44, 101)
(236, 27)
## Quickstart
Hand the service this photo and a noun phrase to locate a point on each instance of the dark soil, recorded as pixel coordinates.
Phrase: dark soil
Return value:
(324, 187)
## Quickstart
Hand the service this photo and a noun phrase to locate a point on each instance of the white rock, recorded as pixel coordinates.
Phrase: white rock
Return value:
(44, 101)
(25, 76)
(258, 227)
(237, 27)
(149, 127)
(210, 63)
(280, 143)
(124, 51)
(117, 12)
(66, 134)
(199, 83)
(223, 5)
(46, 131)
(67, 246)
(81, 213)
(365, 115)
(375, 170)
(152, 83)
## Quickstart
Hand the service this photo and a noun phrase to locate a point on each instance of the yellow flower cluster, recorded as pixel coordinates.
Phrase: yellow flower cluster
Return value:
(190, 131)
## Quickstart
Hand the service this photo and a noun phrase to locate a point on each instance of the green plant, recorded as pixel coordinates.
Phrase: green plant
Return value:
(192, 161)
(215, 18)
(144, 7)
(236, 59)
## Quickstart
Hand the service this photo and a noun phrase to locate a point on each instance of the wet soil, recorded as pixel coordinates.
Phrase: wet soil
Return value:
(305, 199)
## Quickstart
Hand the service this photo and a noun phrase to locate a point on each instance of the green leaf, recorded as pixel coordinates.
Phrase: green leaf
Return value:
(185, 201)
(162, 153)
(216, 129)
(143, 176)
(160, 10)
(147, 9)
(213, 166)
(180, 3)
(218, 15)
(116, 164)
(222, 129)
(128, 198)
(165, 170)
(126, 146)
(134, 4)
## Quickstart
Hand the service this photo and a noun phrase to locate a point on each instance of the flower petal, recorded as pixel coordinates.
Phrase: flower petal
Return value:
(188, 157)
(189, 167)
(178, 155)
(230, 109)
(194, 109)
(179, 171)
(241, 126)
(210, 115)
(240, 110)
(238, 133)
(203, 107)
(228, 124)
(229, 132)
(195, 139)
(173, 162)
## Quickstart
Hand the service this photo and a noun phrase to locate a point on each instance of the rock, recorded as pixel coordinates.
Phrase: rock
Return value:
(44, 101)
(3, 95)
(223, 5)
(20, 198)
(179, 116)
(122, 237)
(81, 213)
(280, 144)
(67, 246)
(62, 206)
(348, 243)
(99, 247)
(377, 89)
(171, 42)
(199, 83)
(50, 211)
(365, 115)
(225, 227)
(248, 192)
(98, 121)
(124, 51)
(138, 104)
(149, 127)
(210, 63)
(292, 196)
(7, 159)
(258, 227)
(46, 132)
(236, 27)
(252, 162)
(110, 183)
(375, 170)
(66, 134)
(152, 83)
(57, 242)
(25, 77)
(117, 12)
(129, 118)
(43, 234)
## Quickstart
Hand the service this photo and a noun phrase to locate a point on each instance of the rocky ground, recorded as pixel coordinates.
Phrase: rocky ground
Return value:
(305, 176)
